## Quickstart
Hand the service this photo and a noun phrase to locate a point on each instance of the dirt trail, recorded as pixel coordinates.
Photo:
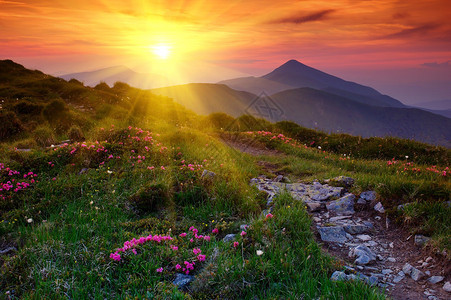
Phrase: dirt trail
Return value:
(393, 245)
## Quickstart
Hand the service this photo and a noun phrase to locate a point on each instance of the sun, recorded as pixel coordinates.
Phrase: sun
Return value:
(161, 51)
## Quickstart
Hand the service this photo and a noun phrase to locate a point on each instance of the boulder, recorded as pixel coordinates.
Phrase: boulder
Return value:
(420, 240)
(229, 238)
(344, 205)
(436, 279)
(182, 280)
(368, 196)
(364, 255)
(379, 208)
(339, 276)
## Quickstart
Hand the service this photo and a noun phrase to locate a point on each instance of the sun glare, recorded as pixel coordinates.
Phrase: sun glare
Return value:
(161, 51)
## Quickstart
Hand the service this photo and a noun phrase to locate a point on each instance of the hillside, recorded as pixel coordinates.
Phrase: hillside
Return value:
(142, 198)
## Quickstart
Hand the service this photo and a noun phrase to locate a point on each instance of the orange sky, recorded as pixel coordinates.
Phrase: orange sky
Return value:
(242, 37)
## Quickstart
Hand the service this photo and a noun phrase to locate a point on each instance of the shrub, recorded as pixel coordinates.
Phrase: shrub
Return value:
(54, 111)
(10, 125)
(103, 87)
(221, 120)
(28, 108)
(44, 136)
(76, 134)
(151, 198)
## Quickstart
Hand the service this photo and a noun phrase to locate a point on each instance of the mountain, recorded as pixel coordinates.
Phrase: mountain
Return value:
(437, 105)
(206, 98)
(118, 73)
(318, 109)
(294, 74)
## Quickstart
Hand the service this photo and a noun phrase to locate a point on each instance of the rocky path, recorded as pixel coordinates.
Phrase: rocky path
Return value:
(355, 229)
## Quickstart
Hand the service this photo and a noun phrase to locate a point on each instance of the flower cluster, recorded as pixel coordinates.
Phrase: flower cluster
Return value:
(11, 181)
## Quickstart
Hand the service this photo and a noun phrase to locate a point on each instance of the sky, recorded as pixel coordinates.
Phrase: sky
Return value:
(402, 48)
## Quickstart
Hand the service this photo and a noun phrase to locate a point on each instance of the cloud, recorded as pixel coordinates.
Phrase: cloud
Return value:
(300, 19)
(445, 64)
(413, 31)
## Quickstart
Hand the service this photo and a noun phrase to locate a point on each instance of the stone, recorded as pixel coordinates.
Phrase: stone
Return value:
(364, 255)
(7, 250)
(279, 178)
(420, 240)
(436, 279)
(416, 274)
(391, 259)
(373, 280)
(229, 238)
(391, 245)
(182, 280)
(338, 276)
(407, 268)
(387, 271)
(208, 174)
(361, 201)
(398, 279)
(368, 196)
(342, 180)
(429, 259)
(428, 273)
(82, 171)
(333, 234)
(342, 206)
(379, 207)
(355, 229)
(447, 286)
(377, 218)
(364, 237)
(316, 219)
(313, 206)
(338, 218)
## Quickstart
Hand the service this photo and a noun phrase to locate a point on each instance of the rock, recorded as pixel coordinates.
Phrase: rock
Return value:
(391, 259)
(416, 274)
(403, 206)
(391, 245)
(377, 218)
(429, 259)
(364, 255)
(333, 234)
(428, 273)
(338, 276)
(407, 268)
(313, 206)
(420, 240)
(229, 238)
(355, 229)
(379, 208)
(208, 174)
(316, 219)
(361, 201)
(364, 237)
(387, 271)
(344, 205)
(279, 178)
(342, 180)
(435, 279)
(82, 171)
(398, 279)
(447, 287)
(182, 280)
(373, 280)
(339, 218)
(368, 196)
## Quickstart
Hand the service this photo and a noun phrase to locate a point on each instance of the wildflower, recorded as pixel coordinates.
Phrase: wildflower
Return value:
(215, 231)
(191, 240)
(182, 234)
(162, 167)
(201, 257)
(160, 270)
(259, 252)
(178, 267)
(243, 233)
(235, 244)
(30, 220)
(197, 251)
(175, 248)
(134, 251)
(269, 216)
(207, 238)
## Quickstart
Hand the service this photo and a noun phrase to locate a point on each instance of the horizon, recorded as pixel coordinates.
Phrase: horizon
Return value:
(400, 49)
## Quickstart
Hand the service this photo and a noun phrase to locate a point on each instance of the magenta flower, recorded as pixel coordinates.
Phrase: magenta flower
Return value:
(235, 244)
(269, 216)
(178, 267)
(243, 233)
(215, 231)
(197, 251)
(201, 257)
(160, 270)
(182, 234)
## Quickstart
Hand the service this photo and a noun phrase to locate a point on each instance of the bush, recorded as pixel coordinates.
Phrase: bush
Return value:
(221, 120)
(54, 111)
(76, 134)
(28, 108)
(103, 87)
(151, 198)
(10, 125)
(44, 136)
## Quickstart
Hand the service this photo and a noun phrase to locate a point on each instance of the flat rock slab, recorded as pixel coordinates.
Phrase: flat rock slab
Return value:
(342, 206)
(334, 234)
(356, 229)
(182, 280)
(368, 196)
(364, 255)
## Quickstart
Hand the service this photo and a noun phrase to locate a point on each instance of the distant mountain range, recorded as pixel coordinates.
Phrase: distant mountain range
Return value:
(118, 73)
(315, 99)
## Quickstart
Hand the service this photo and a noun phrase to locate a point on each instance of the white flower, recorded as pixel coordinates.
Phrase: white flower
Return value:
(109, 172)
(91, 202)
(407, 156)
(319, 147)
(259, 252)
(30, 220)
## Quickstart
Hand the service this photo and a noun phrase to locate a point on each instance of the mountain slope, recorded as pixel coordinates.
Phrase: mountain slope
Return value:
(297, 75)
(206, 98)
(119, 73)
(318, 109)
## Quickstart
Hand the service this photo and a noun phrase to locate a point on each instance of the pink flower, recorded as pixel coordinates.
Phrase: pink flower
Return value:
(235, 244)
(182, 234)
(160, 270)
(243, 233)
(197, 251)
(163, 168)
(201, 257)
(191, 240)
(269, 216)
(175, 248)
(178, 267)
(215, 231)
(207, 238)
(134, 251)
